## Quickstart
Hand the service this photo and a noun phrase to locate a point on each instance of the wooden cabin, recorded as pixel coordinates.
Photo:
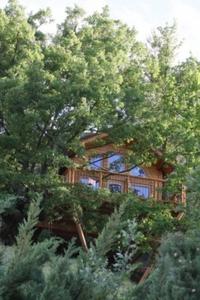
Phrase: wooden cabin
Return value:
(104, 166)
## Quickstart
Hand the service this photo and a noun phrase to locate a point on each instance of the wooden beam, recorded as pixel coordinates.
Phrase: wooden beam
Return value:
(146, 274)
(81, 234)
(126, 184)
(183, 195)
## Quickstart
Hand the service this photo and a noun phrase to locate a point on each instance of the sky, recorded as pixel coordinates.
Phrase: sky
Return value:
(144, 15)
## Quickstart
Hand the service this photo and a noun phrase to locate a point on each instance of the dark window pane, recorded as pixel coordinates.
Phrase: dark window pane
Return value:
(115, 188)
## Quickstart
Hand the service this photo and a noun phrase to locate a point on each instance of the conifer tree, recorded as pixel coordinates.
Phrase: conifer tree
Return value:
(177, 273)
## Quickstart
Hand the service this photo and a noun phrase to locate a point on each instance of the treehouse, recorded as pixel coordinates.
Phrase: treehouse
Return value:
(104, 166)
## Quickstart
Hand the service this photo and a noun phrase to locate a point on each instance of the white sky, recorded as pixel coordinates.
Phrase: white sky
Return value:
(144, 15)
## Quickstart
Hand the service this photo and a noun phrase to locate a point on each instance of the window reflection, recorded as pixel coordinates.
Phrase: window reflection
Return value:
(137, 171)
(89, 181)
(115, 163)
(96, 162)
(141, 191)
(115, 188)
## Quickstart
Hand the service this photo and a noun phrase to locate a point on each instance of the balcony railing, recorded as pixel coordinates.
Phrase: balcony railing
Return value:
(120, 182)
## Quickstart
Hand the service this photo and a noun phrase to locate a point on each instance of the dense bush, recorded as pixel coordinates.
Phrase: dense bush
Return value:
(34, 271)
(177, 273)
(93, 208)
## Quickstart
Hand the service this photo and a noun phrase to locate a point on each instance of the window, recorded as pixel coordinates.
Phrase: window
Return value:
(96, 162)
(115, 187)
(115, 163)
(141, 190)
(89, 181)
(137, 171)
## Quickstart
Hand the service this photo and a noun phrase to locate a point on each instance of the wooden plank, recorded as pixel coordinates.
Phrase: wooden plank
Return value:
(146, 274)
(180, 216)
(183, 195)
(73, 176)
(69, 179)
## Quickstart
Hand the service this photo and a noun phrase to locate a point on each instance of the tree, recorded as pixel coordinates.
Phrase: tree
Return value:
(162, 116)
(31, 270)
(176, 275)
(61, 89)
(51, 93)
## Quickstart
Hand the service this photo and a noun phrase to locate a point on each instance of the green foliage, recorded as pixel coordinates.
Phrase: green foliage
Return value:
(7, 203)
(52, 92)
(176, 275)
(154, 219)
(193, 199)
(11, 213)
(33, 270)
(93, 75)
(92, 208)
(110, 232)
(88, 205)
(153, 216)
(22, 271)
(162, 117)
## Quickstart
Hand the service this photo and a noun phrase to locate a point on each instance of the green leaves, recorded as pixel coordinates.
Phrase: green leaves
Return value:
(176, 275)
(7, 203)
(51, 93)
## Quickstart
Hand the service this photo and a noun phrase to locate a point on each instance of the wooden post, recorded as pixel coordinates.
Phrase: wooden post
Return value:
(81, 234)
(183, 195)
(156, 192)
(69, 177)
(100, 180)
(72, 176)
(126, 185)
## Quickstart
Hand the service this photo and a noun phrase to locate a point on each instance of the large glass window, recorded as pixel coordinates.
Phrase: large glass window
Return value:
(96, 162)
(89, 181)
(115, 163)
(137, 171)
(141, 190)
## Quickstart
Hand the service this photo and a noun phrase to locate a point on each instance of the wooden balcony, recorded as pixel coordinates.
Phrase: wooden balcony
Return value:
(119, 182)
(145, 187)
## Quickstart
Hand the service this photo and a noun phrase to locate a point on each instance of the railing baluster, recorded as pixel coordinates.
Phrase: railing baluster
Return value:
(101, 180)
